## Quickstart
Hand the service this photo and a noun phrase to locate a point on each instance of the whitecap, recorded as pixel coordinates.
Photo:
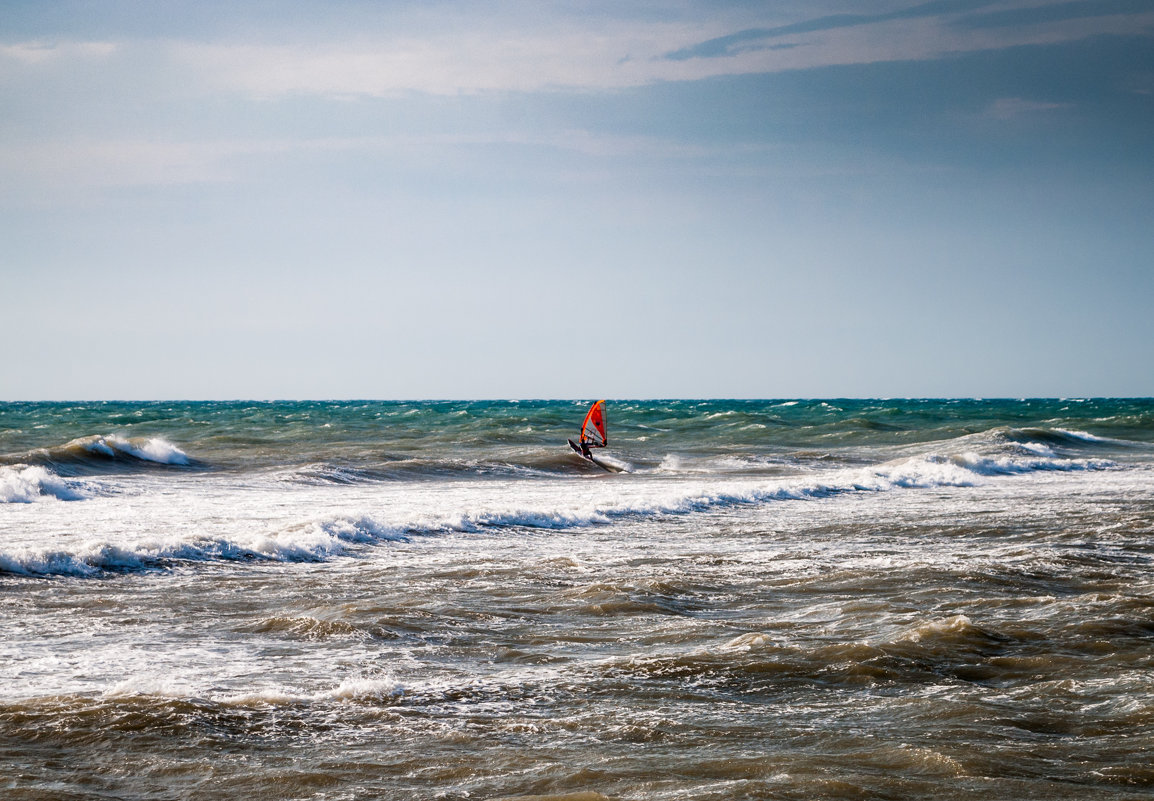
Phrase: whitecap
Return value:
(30, 483)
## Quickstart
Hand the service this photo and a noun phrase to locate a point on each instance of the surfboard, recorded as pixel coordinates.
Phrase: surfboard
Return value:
(606, 465)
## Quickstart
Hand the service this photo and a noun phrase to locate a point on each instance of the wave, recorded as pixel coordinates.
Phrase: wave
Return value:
(166, 706)
(1039, 439)
(951, 647)
(311, 627)
(362, 689)
(321, 473)
(565, 505)
(1002, 448)
(989, 466)
(356, 690)
(314, 541)
(538, 463)
(961, 470)
(97, 451)
(924, 472)
(23, 483)
(155, 449)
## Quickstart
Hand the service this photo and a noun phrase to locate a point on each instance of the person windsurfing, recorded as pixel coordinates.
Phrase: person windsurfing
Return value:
(592, 431)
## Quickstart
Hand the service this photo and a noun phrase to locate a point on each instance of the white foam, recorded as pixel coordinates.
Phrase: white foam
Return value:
(353, 690)
(312, 541)
(1011, 465)
(30, 483)
(1036, 447)
(166, 687)
(957, 624)
(87, 559)
(531, 518)
(161, 451)
(747, 642)
(163, 521)
(156, 450)
(364, 689)
(617, 464)
(356, 690)
(1082, 435)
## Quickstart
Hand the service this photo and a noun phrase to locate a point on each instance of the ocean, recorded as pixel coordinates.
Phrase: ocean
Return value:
(790, 599)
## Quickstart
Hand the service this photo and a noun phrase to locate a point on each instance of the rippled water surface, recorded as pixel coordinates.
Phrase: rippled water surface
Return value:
(777, 599)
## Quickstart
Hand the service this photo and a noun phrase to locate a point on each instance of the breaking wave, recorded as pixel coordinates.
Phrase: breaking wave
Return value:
(314, 541)
(1034, 438)
(155, 449)
(22, 483)
(97, 452)
(474, 512)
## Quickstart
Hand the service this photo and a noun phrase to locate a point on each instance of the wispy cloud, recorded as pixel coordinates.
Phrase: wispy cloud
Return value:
(918, 32)
(457, 50)
(570, 55)
(1056, 12)
(757, 38)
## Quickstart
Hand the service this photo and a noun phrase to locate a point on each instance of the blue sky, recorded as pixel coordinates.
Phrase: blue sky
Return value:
(534, 199)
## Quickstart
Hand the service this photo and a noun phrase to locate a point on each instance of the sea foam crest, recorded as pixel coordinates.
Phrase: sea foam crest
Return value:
(23, 483)
(367, 691)
(1084, 436)
(1016, 465)
(155, 449)
(921, 472)
(965, 469)
(314, 541)
(336, 536)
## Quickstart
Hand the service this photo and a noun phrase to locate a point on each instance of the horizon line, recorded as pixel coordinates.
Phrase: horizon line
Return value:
(543, 399)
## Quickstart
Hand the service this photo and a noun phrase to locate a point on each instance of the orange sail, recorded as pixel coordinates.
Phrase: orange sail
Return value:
(593, 429)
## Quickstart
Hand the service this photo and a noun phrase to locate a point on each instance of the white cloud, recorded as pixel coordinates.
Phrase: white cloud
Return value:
(461, 52)
(456, 49)
(439, 64)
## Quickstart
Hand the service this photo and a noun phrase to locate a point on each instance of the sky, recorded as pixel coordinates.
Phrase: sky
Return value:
(681, 198)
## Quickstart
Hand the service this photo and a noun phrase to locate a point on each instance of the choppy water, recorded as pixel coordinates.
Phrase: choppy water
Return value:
(796, 600)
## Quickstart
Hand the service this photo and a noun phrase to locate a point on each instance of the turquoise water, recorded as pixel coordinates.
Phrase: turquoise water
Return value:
(243, 435)
(775, 599)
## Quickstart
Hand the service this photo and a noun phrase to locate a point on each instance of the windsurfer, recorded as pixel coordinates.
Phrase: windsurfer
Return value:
(592, 432)
(593, 435)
